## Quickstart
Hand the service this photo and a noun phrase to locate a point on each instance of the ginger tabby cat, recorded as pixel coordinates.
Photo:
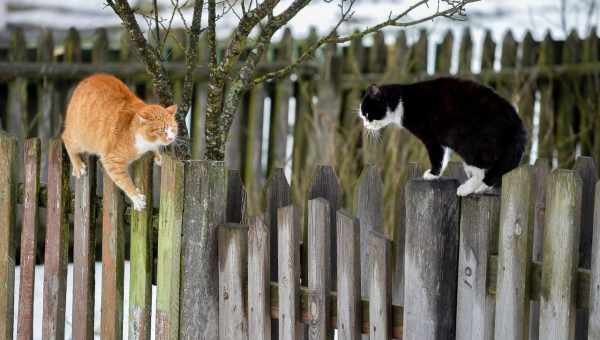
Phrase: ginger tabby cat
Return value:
(106, 119)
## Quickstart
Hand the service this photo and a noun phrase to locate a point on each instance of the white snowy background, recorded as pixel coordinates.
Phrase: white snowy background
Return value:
(498, 16)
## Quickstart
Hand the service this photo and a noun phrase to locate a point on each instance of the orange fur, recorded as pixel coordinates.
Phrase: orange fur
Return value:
(106, 119)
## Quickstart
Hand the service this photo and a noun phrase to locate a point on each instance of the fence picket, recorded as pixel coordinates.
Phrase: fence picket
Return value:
(8, 147)
(478, 240)
(28, 238)
(236, 198)
(57, 243)
(380, 294)
(233, 278)
(369, 211)
(444, 54)
(348, 273)
(319, 268)
(561, 236)
(84, 253)
(594, 320)
(169, 249)
(515, 245)
(259, 306)
(430, 272)
(141, 259)
(288, 254)
(113, 261)
(465, 58)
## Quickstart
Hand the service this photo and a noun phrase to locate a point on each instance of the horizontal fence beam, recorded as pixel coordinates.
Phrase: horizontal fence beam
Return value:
(13, 70)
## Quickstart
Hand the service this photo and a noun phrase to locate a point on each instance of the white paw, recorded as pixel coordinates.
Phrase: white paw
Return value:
(82, 171)
(464, 189)
(483, 188)
(158, 161)
(139, 202)
(429, 176)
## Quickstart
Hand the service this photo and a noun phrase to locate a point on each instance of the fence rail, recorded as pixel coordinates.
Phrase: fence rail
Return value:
(469, 270)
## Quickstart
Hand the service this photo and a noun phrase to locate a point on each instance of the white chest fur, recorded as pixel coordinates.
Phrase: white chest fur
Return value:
(142, 145)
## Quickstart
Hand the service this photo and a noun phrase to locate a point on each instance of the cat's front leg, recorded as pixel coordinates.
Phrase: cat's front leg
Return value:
(116, 168)
(436, 157)
(157, 158)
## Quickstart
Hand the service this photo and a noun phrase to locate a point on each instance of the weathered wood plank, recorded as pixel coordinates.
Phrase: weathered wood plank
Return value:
(515, 245)
(465, 57)
(561, 238)
(443, 54)
(28, 236)
(431, 259)
(141, 261)
(57, 243)
(253, 174)
(319, 268)
(540, 170)
(113, 257)
(594, 320)
(204, 210)
(47, 97)
(84, 253)
(348, 284)
(233, 278)
(547, 57)
(586, 169)
(289, 273)
(278, 195)
(169, 249)
(369, 211)
(380, 294)
(259, 316)
(478, 239)
(8, 157)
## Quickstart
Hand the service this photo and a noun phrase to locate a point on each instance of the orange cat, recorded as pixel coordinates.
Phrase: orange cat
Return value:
(106, 119)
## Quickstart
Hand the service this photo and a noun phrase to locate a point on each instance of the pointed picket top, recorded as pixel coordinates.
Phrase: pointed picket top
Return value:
(443, 61)
(590, 47)
(401, 52)
(418, 62)
(572, 48)
(465, 57)
(278, 194)
(100, 48)
(236, 198)
(358, 52)
(45, 49)
(18, 46)
(378, 53)
(508, 59)
(586, 168)
(547, 50)
(326, 185)
(285, 48)
(529, 50)
(489, 51)
(72, 46)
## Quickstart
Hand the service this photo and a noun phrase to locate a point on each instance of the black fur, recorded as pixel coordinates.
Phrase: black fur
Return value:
(470, 118)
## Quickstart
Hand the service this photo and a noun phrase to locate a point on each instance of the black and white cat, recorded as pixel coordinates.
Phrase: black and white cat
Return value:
(449, 113)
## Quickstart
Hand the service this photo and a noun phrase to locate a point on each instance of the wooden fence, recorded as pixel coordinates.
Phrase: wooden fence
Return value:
(509, 265)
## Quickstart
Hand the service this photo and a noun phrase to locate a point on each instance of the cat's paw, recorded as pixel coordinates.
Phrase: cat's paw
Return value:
(139, 201)
(483, 188)
(158, 159)
(429, 176)
(465, 189)
(81, 171)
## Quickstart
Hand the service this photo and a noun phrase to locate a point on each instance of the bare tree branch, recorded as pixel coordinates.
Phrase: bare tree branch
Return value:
(392, 21)
(149, 55)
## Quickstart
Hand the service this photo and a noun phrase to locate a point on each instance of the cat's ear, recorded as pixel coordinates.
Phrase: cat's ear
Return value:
(373, 91)
(172, 109)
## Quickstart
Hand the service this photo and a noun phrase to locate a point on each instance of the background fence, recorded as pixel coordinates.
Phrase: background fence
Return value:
(509, 266)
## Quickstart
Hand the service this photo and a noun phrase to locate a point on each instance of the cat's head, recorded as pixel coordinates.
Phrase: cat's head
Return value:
(157, 124)
(374, 109)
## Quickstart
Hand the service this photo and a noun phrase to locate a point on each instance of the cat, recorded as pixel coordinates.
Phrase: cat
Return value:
(106, 119)
(457, 114)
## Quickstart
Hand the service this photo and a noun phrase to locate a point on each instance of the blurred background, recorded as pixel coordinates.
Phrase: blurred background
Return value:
(542, 55)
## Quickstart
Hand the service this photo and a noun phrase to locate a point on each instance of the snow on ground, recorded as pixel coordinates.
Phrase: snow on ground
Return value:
(38, 301)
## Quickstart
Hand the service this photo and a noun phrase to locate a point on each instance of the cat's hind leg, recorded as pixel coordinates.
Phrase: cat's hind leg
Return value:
(436, 157)
(78, 165)
(116, 168)
(509, 160)
(476, 176)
